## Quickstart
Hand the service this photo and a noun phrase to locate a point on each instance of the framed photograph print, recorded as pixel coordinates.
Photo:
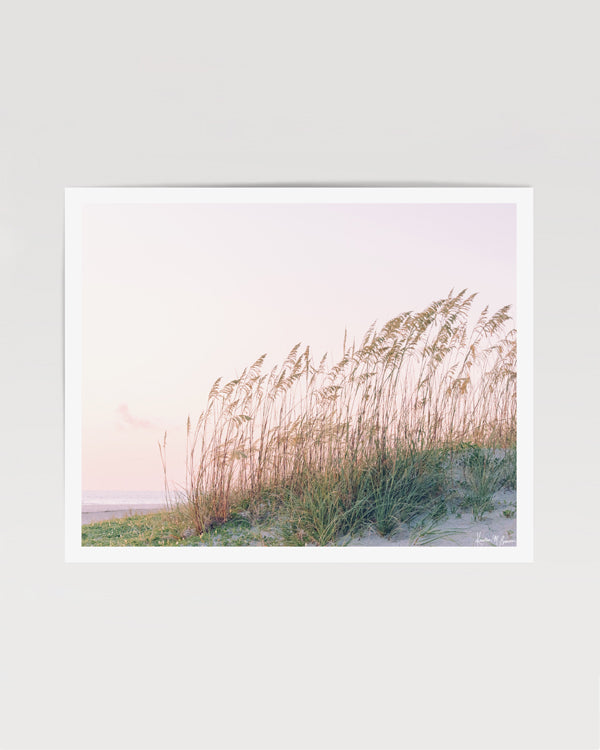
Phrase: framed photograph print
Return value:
(299, 374)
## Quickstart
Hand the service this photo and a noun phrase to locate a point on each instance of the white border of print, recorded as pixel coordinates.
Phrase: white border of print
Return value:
(77, 198)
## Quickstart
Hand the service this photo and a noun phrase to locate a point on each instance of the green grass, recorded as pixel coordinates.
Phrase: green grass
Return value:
(239, 532)
(396, 490)
(509, 469)
(484, 474)
(168, 529)
(163, 529)
(318, 514)
(428, 532)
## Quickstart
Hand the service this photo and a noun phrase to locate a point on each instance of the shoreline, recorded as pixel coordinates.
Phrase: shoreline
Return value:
(94, 512)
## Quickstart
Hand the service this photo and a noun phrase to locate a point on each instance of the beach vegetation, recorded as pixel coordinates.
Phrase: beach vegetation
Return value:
(419, 412)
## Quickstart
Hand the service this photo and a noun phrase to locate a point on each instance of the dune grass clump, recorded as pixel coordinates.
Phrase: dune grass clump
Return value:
(400, 487)
(485, 471)
(337, 446)
(317, 514)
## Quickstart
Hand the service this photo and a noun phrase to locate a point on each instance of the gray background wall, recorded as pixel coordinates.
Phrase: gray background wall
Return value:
(176, 93)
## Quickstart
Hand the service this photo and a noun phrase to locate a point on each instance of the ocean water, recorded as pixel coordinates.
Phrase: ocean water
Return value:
(123, 497)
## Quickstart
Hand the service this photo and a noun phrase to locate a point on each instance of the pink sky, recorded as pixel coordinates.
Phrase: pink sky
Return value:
(176, 295)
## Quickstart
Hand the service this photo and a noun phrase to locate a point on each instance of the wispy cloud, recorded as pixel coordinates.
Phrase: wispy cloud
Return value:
(125, 417)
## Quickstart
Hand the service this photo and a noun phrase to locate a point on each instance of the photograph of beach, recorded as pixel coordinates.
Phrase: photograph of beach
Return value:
(299, 374)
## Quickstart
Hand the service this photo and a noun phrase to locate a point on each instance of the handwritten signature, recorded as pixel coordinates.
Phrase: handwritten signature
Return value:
(496, 540)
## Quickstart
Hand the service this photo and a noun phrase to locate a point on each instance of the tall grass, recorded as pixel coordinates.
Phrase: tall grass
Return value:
(397, 488)
(484, 473)
(350, 440)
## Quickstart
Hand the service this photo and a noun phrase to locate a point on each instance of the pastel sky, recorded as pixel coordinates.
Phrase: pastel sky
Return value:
(176, 295)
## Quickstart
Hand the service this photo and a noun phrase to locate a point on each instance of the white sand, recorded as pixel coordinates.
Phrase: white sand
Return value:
(494, 530)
